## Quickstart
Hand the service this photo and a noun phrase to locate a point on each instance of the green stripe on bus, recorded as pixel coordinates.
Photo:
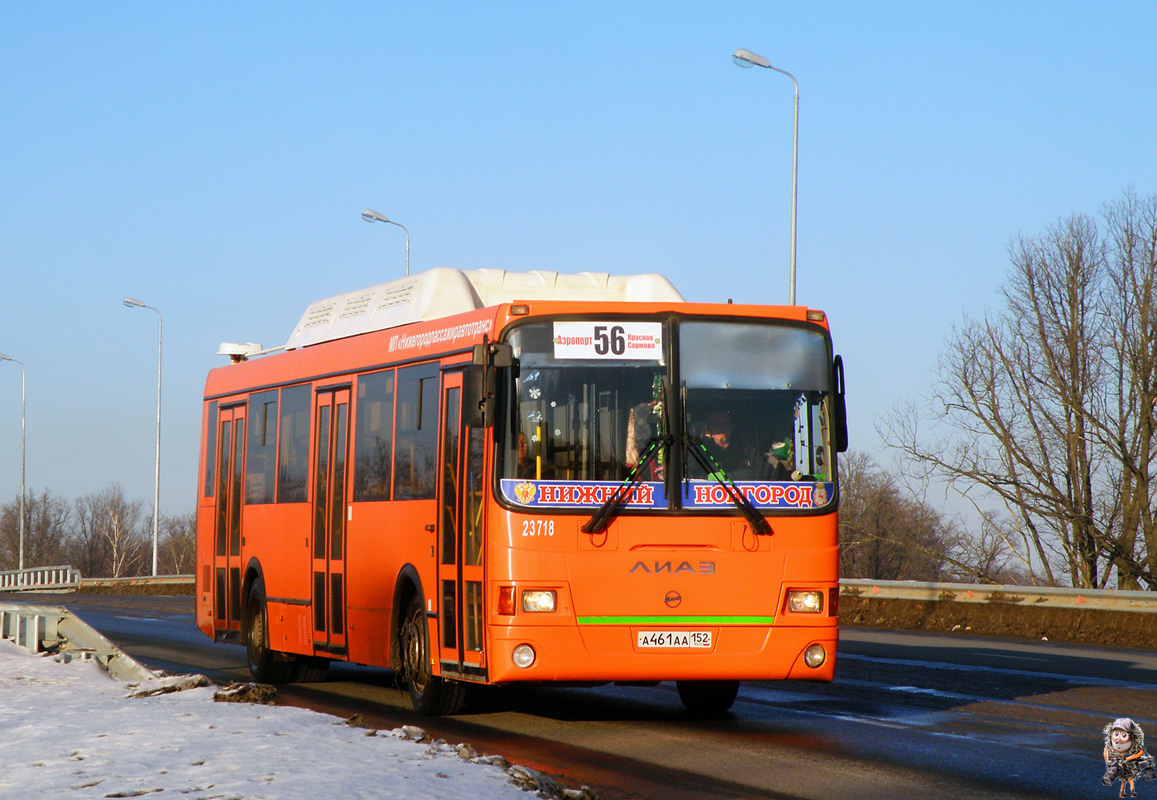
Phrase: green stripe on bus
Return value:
(669, 620)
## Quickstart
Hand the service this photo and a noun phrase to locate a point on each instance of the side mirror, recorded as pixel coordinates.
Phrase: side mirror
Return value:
(479, 380)
(477, 403)
(839, 406)
(494, 355)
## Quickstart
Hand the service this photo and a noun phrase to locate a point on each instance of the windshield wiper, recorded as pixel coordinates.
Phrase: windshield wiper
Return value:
(696, 448)
(611, 506)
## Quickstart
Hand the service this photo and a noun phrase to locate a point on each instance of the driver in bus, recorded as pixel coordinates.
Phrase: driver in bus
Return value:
(720, 441)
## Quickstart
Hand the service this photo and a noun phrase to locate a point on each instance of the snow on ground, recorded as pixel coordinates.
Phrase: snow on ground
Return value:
(69, 730)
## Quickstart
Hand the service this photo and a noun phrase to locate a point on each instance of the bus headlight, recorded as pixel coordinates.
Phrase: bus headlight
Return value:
(523, 656)
(802, 602)
(815, 656)
(539, 600)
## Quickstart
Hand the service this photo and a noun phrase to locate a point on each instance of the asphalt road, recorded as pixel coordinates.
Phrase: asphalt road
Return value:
(909, 715)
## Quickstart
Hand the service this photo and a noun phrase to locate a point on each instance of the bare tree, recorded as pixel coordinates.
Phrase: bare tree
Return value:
(1130, 426)
(177, 552)
(994, 552)
(10, 534)
(46, 526)
(1047, 405)
(109, 540)
(888, 534)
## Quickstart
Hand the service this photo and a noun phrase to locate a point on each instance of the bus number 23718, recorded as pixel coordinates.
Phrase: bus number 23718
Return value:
(538, 527)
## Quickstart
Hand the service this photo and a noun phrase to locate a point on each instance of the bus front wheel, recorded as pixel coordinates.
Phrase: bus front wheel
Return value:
(429, 694)
(707, 698)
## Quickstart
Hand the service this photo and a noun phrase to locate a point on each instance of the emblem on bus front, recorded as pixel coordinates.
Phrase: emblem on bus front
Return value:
(524, 492)
(673, 599)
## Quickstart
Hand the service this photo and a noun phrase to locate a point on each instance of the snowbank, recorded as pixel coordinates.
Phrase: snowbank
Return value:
(68, 729)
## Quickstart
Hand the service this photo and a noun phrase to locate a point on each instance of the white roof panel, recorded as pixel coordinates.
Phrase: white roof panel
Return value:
(443, 292)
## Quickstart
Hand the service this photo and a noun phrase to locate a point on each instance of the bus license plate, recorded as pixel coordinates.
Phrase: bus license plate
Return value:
(674, 639)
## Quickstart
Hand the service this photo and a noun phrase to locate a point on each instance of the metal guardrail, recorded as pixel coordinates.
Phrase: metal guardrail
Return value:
(141, 580)
(44, 579)
(52, 628)
(48, 578)
(39, 579)
(1024, 596)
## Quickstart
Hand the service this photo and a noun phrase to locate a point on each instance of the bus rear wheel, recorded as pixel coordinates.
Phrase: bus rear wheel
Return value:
(310, 669)
(429, 694)
(265, 665)
(707, 698)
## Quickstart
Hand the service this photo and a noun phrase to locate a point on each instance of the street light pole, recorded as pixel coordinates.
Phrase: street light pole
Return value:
(747, 60)
(23, 385)
(373, 216)
(131, 303)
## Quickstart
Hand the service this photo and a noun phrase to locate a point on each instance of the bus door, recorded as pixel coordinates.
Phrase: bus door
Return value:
(230, 494)
(460, 539)
(329, 519)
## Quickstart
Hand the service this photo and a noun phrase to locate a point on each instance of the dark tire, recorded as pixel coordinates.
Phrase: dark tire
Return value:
(265, 665)
(430, 695)
(707, 698)
(310, 669)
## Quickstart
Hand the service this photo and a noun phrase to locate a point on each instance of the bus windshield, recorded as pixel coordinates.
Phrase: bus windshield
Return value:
(755, 395)
(588, 398)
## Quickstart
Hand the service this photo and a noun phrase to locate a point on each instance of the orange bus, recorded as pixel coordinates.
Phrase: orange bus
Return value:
(482, 477)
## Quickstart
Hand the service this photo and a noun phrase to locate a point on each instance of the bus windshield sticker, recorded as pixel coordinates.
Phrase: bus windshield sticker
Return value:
(581, 494)
(638, 341)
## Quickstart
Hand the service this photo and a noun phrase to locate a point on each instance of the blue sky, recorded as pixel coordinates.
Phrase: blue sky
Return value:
(212, 160)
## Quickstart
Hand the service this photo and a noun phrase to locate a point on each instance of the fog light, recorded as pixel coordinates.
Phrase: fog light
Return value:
(539, 600)
(805, 602)
(523, 655)
(814, 656)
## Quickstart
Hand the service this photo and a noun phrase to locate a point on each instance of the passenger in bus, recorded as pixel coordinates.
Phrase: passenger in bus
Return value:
(642, 426)
(525, 463)
(779, 462)
(530, 461)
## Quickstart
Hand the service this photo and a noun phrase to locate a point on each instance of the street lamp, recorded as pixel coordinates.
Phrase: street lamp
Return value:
(131, 303)
(747, 60)
(374, 216)
(23, 382)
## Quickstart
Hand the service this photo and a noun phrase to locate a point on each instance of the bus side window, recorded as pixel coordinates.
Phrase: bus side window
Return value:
(293, 446)
(211, 450)
(416, 449)
(374, 442)
(262, 447)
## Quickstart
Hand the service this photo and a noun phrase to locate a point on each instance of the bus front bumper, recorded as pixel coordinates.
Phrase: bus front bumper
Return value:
(642, 653)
